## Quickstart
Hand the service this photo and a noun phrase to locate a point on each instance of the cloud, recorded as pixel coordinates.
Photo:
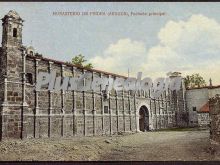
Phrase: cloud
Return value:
(190, 46)
(120, 56)
(186, 45)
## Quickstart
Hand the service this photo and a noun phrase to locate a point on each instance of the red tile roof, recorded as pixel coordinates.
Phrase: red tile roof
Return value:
(204, 108)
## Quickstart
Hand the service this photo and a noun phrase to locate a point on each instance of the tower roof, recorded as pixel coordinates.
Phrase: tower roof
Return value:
(13, 13)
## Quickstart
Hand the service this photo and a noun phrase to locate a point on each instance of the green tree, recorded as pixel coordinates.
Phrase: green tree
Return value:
(194, 80)
(80, 61)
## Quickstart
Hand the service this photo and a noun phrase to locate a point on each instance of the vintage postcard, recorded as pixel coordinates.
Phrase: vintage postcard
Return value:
(109, 81)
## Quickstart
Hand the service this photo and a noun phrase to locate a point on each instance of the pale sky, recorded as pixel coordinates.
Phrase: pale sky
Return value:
(185, 39)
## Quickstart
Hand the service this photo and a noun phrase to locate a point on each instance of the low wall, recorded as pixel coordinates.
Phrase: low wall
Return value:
(203, 119)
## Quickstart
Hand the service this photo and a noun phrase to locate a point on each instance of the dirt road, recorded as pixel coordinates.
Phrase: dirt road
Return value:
(161, 145)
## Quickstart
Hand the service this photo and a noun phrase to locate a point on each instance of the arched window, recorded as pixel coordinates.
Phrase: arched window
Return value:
(14, 32)
(31, 53)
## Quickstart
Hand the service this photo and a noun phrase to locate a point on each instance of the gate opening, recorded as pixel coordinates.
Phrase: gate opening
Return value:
(143, 119)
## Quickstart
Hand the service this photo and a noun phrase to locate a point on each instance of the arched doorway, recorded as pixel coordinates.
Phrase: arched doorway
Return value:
(143, 119)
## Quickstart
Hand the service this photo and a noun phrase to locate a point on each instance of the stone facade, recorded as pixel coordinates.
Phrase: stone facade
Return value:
(27, 113)
(215, 120)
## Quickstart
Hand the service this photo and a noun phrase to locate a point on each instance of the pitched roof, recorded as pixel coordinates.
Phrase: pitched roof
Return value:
(13, 13)
(204, 108)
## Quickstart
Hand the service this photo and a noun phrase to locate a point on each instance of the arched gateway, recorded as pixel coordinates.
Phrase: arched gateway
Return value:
(144, 119)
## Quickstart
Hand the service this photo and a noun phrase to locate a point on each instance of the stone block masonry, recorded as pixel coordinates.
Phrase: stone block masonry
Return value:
(215, 119)
(27, 113)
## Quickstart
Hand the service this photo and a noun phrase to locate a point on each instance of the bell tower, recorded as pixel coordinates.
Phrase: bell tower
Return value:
(12, 30)
(12, 77)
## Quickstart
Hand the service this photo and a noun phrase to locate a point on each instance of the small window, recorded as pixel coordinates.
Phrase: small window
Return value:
(194, 108)
(31, 53)
(29, 78)
(105, 109)
(14, 32)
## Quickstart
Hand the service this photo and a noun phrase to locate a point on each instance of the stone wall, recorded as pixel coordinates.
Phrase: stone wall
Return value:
(195, 98)
(74, 113)
(213, 91)
(1, 86)
(215, 119)
(203, 119)
(2, 73)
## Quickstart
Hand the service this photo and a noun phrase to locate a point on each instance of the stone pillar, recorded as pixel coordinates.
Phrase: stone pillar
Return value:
(50, 104)
(178, 121)
(135, 114)
(110, 115)
(166, 110)
(155, 110)
(123, 103)
(36, 124)
(36, 92)
(117, 113)
(24, 79)
(160, 112)
(129, 109)
(168, 104)
(3, 127)
(24, 104)
(62, 102)
(110, 110)
(62, 92)
(102, 106)
(5, 91)
(74, 107)
(94, 109)
(84, 106)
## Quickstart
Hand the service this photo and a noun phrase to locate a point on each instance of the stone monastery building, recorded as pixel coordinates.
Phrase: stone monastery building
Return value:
(27, 113)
